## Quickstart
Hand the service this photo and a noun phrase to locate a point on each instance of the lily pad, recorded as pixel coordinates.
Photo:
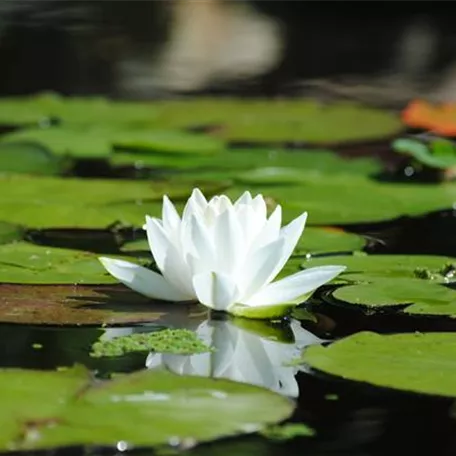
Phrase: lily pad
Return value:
(81, 413)
(21, 262)
(30, 158)
(43, 202)
(440, 119)
(80, 143)
(350, 198)
(414, 296)
(24, 111)
(280, 120)
(86, 305)
(168, 142)
(415, 284)
(439, 153)
(38, 109)
(287, 165)
(99, 142)
(251, 120)
(328, 240)
(364, 268)
(421, 363)
(10, 233)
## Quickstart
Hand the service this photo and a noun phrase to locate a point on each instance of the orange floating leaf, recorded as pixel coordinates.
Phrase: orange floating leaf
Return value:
(440, 119)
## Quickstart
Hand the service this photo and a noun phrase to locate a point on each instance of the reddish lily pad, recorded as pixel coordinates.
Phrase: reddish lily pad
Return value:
(86, 305)
(440, 119)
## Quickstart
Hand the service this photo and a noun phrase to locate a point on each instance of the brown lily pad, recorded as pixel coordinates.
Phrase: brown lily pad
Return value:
(87, 305)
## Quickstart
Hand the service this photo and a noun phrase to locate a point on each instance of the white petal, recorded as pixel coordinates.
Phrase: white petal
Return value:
(223, 204)
(291, 233)
(270, 231)
(170, 217)
(158, 240)
(293, 286)
(199, 199)
(259, 206)
(202, 245)
(216, 291)
(229, 241)
(142, 280)
(258, 268)
(177, 272)
(250, 224)
(196, 205)
(245, 198)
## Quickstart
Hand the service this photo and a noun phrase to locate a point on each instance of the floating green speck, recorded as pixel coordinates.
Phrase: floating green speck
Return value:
(288, 431)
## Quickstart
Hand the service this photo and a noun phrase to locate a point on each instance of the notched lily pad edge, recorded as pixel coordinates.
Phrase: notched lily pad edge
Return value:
(393, 310)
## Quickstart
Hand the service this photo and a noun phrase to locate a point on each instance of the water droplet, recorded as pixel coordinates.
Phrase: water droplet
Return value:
(250, 427)
(409, 171)
(122, 446)
(174, 441)
(147, 396)
(219, 394)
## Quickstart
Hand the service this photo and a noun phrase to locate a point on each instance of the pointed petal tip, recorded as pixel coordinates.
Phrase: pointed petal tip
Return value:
(106, 261)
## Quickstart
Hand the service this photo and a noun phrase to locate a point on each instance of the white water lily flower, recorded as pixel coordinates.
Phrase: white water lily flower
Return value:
(242, 355)
(224, 255)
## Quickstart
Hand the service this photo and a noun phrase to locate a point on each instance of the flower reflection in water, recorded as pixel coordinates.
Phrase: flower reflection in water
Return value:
(244, 351)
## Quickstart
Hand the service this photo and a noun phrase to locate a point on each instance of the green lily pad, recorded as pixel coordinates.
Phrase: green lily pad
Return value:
(91, 142)
(80, 143)
(417, 297)
(328, 240)
(351, 198)
(287, 165)
(421, 363)
(34, 110)
(30, 158)
(167, 142)
(10, 233)
(365, 268)
(53, 409)
(42, 202)
(34, 396)
(87, 305)
(24, 111)
(21, 262)
(241, 120)
(413, 283)
(438, 153)
(280, 120)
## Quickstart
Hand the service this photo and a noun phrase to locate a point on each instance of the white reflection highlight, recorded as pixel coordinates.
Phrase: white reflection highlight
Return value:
(244, 352)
